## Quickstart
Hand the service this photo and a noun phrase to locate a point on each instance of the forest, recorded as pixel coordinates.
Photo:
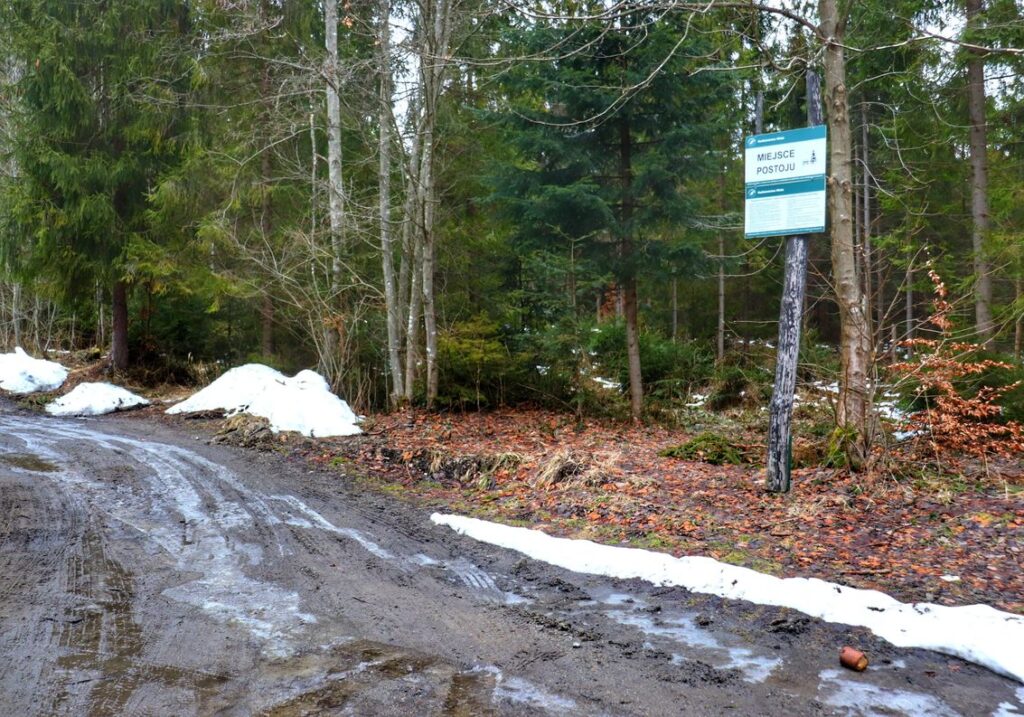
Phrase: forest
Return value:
(465, 204)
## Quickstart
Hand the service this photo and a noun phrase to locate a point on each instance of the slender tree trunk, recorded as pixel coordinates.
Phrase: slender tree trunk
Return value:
(384, 192)
(312, 175)
(865, 228)
(675, 309)
(427, 205)
(629, 301)
(16, 312)
(267, 326)
(979, 183)
(908, 305)
(636, 388)
(434, 50)
(429, 320)
(336, 186)
(119, 334)
(36, 328)
(570, 287)
(853, 410)
(1018, 328)
(266, 227)
(720, 337)
(410, 229)
(413, 318)
(720, 332)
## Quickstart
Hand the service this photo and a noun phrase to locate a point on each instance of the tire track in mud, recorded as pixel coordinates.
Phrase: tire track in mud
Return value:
(202, 519)
(143, 577)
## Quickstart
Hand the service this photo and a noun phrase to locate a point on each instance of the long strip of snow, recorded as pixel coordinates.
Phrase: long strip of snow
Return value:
(977, 633)
(94, 399)
(303, 403)
(20, 373)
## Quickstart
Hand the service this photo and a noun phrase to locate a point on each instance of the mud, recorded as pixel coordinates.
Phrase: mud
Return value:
(144, 572)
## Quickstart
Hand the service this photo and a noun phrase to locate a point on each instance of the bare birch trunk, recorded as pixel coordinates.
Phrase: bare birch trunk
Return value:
(979, 184)
(434, 48)
(853, 409)
(384, 191)
(413, 319)
(336, 187)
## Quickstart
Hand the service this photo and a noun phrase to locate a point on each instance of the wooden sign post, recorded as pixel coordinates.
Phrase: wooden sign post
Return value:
(785, 193)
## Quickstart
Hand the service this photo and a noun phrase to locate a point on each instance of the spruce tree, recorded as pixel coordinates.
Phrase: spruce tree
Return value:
(608, 134)
(97, 117)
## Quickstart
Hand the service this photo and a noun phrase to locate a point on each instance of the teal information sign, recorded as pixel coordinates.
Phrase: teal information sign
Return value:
(785, 182)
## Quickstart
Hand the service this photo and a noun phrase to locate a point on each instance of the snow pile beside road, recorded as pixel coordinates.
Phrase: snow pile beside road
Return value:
(977, 633)
(94, 399)
(303, 403)
(20, 373)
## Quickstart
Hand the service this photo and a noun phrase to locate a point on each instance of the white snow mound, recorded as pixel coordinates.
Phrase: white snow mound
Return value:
(303, 403)
(20, 373)
(94, 399)
(976, 633)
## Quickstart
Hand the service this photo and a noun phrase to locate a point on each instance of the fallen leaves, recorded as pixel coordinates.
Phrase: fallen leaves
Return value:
(866, 530)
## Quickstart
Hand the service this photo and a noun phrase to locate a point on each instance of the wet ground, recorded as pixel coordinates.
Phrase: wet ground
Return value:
(144, 572)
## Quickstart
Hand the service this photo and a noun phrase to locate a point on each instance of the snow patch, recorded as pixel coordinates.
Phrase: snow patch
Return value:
(94, 399)
(1008, 709)
(303, 403)
(20, 373)
(977, 633)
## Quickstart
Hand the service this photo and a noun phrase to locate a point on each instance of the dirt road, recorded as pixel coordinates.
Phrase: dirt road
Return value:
(143, 572)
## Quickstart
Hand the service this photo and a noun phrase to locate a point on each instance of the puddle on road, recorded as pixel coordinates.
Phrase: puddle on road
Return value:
(862, 699)
(28, 462)
(367, 677)
(470, 695)
(683, 630)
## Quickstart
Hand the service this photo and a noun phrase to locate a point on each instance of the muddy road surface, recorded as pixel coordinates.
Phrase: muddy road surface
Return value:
(144, 572)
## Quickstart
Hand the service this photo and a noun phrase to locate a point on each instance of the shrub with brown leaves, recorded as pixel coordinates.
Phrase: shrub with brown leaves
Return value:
(951, 421)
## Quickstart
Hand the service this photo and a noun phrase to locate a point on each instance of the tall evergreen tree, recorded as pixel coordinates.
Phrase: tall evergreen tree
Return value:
(98, 118)
(610, 131)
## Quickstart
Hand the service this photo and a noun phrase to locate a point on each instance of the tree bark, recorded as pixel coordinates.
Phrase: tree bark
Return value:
(413, 318)
(384, 208)
(979, 183)
(16, 312)
(908, 306)
(436, 22)
(267, 326)
(853, 413)
(266, 227)
(720, 333)
(675, 309)
(119, 332)
(1018, 328)
(629, 302)
(335, 181)
(865, 228)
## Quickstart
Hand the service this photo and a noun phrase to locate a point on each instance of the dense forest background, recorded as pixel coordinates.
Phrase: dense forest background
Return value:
(459, 203)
